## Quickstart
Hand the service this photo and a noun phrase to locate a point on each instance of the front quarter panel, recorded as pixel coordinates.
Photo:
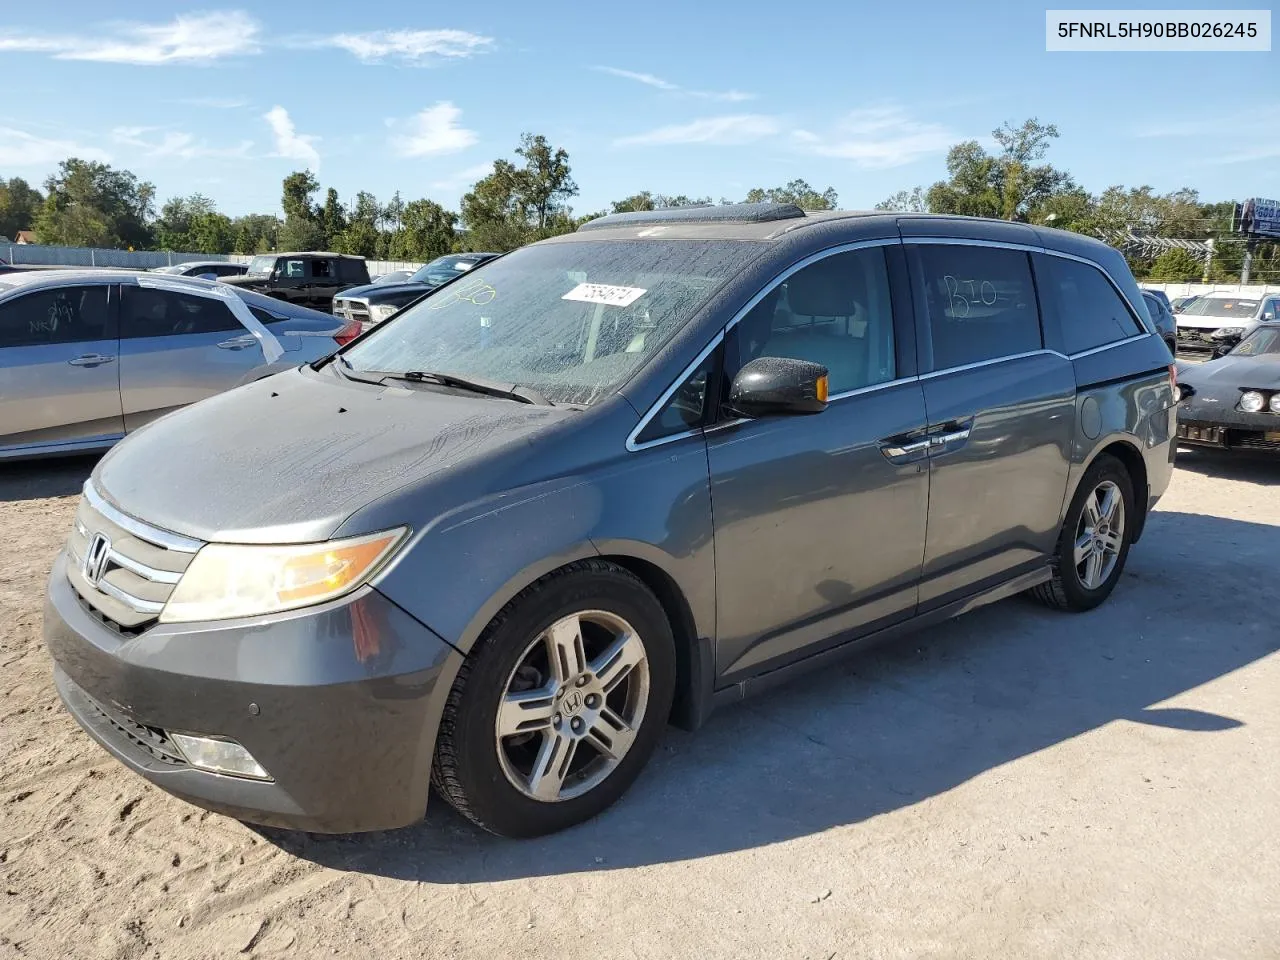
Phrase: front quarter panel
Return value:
(467, 563)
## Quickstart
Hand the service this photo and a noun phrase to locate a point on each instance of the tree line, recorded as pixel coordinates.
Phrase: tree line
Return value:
(527, 197)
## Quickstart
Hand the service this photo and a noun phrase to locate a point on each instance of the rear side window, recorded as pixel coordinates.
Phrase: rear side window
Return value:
(163, 313)
(64, 315)
(351, 270)
(981, 303)
(293, 269)
(322, 269)
(1090, 311)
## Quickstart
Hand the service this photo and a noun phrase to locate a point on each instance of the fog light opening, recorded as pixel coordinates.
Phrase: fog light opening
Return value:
(218, 755)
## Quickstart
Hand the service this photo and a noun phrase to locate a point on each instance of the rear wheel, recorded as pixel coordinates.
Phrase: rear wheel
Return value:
(1095, 538)
(555, 712)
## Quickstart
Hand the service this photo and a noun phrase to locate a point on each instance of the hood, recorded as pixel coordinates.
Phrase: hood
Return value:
(289, 458)
(1198, 322)
(1230, 374)
(397, 293)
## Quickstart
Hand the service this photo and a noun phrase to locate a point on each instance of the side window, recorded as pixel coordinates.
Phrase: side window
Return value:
(1092, 314)
(1272, 309)
(228, 270)
(687, 406)
(163, 313)
(350, 270)
(322, 269)
(981, 303)
(64, 315)
(293, 269)
(835, 312)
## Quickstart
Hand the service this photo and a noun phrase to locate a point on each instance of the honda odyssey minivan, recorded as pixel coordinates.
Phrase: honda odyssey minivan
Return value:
(612, 479)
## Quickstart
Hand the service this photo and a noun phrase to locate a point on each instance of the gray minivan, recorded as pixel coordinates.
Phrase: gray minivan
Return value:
(613, 478)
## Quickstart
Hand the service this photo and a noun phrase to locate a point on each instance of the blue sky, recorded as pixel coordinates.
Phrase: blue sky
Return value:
(673, 97)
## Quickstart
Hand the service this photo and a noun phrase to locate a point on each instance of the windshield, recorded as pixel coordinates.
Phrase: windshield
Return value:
(441, 269)
(1264, 340)
(573, 320)
(174, 269)
(261, 265)
(1221, 307)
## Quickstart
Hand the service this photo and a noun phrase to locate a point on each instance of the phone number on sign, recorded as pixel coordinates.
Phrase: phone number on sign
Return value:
(1124, 31)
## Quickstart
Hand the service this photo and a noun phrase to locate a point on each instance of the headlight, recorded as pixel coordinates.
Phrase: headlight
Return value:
(381, 311)
(232, 580)
(1251, 401)
(1223, 333)
(1275, 403)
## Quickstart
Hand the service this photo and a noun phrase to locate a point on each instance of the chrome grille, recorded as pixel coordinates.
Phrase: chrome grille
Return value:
(351, 310)
(122, 568)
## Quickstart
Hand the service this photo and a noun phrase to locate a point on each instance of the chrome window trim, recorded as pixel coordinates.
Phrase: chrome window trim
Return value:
(1110, 346)
(1047, 251)
(1043, 351)
(143, 531)
(656, 407)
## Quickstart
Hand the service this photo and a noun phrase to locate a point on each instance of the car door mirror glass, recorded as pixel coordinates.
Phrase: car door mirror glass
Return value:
(778, 386)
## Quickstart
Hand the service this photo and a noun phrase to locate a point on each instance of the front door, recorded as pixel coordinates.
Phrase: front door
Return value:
(59, 369)
(177, 348)
(820, 520)
(1001, 418)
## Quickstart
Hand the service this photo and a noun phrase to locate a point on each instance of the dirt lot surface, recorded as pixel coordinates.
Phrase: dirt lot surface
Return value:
(1016, 783)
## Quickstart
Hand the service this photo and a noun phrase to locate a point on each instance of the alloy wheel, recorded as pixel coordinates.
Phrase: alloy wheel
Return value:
(572, 706)
(1099, 535)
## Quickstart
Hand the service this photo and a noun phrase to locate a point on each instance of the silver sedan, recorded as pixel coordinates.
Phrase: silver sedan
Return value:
(88, 356)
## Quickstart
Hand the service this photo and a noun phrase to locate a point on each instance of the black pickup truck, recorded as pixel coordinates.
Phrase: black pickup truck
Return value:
(375, 302)
(310, 279)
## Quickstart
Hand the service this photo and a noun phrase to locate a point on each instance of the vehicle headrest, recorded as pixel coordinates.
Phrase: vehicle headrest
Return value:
(825, 289)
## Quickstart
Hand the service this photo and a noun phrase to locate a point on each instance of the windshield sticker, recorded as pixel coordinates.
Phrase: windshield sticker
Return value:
(606, 294)
(472, 291)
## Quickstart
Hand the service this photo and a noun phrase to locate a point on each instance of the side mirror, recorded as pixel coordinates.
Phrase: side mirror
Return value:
(778, 386)
(1269, 315)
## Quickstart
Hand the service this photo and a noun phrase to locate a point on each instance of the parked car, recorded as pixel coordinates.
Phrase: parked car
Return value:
(88, 356)
(374, 303)
(1180, 303)
(204, 269)
(1233, 403)
(1215, 322)
(1160, 315)
(604, 481)
(1159, 295)
(310, 279)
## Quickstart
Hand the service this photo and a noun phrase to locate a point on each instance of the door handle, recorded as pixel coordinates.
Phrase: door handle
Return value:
(942, 439)
(898, 451)
(238, 343)
(90, 360)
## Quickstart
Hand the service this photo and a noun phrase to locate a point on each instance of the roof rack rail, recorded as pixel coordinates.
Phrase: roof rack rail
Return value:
(725, 213)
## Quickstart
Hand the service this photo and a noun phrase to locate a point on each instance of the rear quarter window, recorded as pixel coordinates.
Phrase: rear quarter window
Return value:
(1090, 311)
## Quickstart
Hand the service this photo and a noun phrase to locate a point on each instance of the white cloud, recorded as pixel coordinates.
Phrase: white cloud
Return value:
(431, 132)
(173, 143)
(724, 131)
(878, 138)
(410, 46)
(289, 143)
(24, 150)
(649, 80)
(190, 38)
(463, 178)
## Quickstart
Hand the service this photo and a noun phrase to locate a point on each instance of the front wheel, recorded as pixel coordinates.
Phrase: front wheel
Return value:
(1094, 541)
(555, 712)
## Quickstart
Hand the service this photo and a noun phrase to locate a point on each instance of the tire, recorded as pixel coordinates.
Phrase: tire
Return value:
(1068, 589)
(489, 776)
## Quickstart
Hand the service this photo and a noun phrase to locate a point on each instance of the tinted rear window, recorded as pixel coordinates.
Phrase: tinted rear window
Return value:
(1092, 313)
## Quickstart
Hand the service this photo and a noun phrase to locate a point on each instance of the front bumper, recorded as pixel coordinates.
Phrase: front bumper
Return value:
(1223, 427)
(340, 703)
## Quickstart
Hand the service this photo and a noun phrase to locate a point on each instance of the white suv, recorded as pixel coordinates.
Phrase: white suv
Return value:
(1217, 321)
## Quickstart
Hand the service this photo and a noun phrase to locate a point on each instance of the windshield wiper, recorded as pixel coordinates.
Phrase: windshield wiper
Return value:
(344, 368)
(509, 391)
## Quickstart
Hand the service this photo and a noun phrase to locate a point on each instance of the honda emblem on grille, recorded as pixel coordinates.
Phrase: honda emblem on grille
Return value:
(96, 557)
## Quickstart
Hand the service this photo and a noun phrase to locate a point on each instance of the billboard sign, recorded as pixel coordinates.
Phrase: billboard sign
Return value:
(1259, 217)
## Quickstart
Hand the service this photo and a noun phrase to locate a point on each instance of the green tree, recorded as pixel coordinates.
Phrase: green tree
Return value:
(19, 206)
(1177, 265)
(212, 232)
(427, 231)
(545, 182)
(296, 196)
(173, 229)
(299, 233)
(256, 233)
(635, 203)
(1010, 185)
(516, 204)
(798, 192)
(905, 201)
(92, 204)
(333, 219)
